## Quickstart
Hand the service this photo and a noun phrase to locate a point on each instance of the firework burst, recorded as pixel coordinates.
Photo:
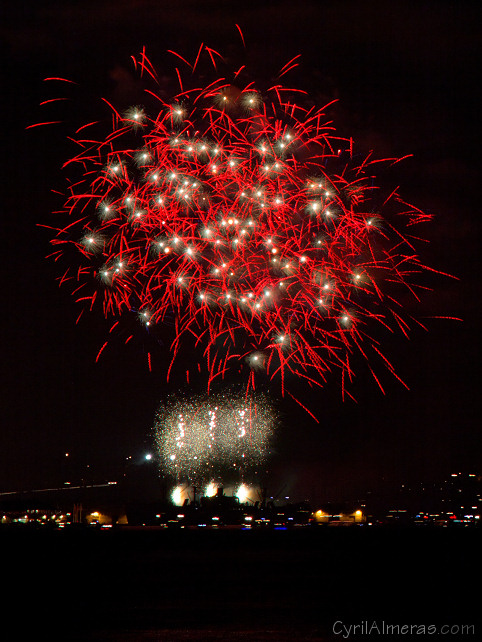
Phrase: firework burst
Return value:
(200, 438)
(237, 220)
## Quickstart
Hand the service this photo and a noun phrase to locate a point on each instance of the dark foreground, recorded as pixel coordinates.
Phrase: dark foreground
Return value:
(235, 585)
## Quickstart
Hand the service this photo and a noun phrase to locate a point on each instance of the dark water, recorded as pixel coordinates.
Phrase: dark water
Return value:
(234, 585)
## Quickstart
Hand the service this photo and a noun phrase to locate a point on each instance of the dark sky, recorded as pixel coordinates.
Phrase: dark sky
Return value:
(406, 75)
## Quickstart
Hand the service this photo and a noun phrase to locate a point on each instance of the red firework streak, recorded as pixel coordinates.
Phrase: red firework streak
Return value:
(242, 221)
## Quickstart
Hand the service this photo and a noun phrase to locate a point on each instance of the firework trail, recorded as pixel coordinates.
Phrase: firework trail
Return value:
(199, 438)
(237, 220)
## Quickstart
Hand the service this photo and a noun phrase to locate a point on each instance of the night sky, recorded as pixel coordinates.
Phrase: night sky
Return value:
(406, 75)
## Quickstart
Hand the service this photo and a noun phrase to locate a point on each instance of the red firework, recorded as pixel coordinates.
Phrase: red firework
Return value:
(240, 219)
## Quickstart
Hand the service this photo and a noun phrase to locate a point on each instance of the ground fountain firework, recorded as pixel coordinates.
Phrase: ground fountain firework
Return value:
(203, 438)
(236, 225)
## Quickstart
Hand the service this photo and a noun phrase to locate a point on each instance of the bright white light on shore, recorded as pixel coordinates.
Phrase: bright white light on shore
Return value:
(242, 493)
(211, 490)
(176, 495)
